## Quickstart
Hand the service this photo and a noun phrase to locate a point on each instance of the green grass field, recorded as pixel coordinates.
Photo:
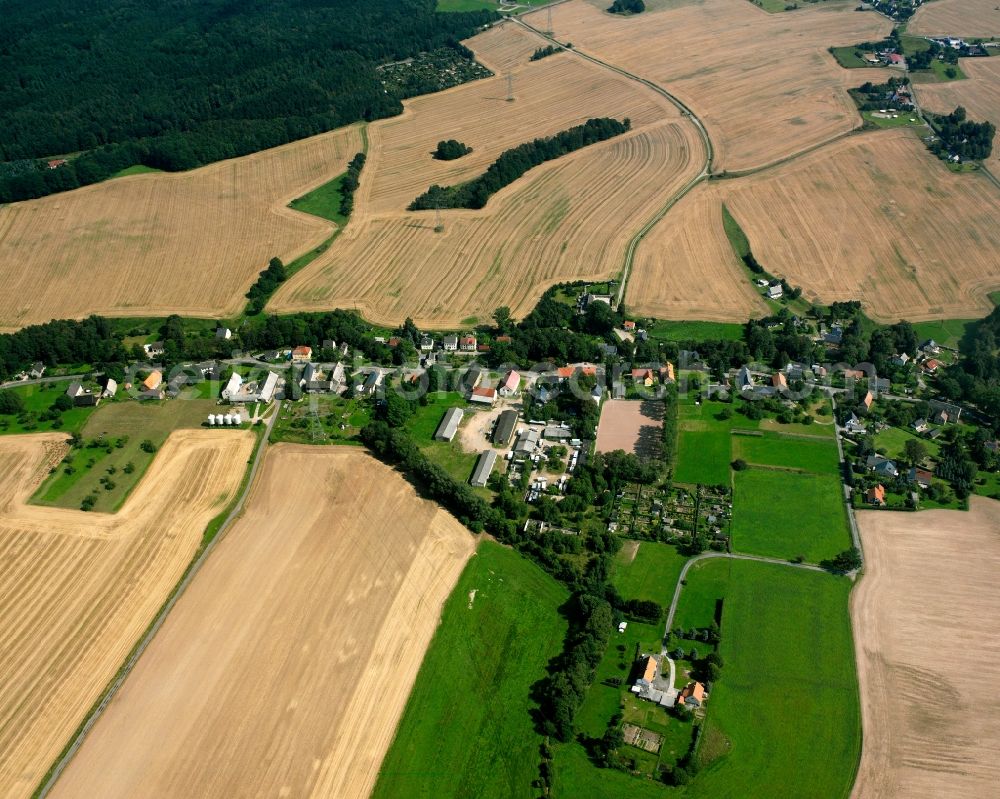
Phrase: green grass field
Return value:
(137, 169)
(426, 418)
(652, 574)
(786, 514)
(37, 398)
(847, 57)
(947, 332)
(737, 238)
(295, 426)
(703, 441)
(467, 729)
(818, 455)
(892, 442)
(663, 330)
(787, 701)
(111, 423)
(323, 201)
(906, 119)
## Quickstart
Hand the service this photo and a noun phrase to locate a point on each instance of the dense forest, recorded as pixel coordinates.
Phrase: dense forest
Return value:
(176, 84)
(513, 163)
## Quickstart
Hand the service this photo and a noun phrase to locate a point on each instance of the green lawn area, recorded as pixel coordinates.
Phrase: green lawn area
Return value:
(947, 332)
(652, 574)
(818, 455)
(128, 424)
(467, 730)
(323, 201)
(705, 585)
(787, 700)
(137, 169)
(906, 119)
(990, 484)
(37, 398)
(848, 57)
(703, 441)
(735, 234)
(695, 331)
(295, 426)
(426, 418)
(449, 6)
(892, 442)
(785, 514)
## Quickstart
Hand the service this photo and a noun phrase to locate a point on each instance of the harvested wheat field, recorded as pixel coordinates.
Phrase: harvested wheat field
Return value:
(873, 217)
(569, 219)
(505, 46)
(979, 94)
(686, 268)
(155, 244)
(284, 668)
(553, 94)
(764, 84)
(957, 18)
(924, 620)
(80, 588)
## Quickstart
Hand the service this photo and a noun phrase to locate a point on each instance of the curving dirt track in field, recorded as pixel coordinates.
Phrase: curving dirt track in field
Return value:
(78, 589)
(924, 620)
(284, 668)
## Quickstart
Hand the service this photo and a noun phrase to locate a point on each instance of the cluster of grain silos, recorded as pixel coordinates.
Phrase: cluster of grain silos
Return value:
(224, 419)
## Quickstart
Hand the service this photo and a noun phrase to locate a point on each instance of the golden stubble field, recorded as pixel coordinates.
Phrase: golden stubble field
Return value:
(155, 244)
(979, 93)
(764, 84)
(568, 219)
(957, 18)
(284, 668)
(924, 619)
(78, 589)
(873, 217)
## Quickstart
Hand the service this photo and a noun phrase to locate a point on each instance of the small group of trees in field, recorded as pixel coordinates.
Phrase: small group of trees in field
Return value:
(627, 7)
(513, 163)
(958, 135)
(544, 52)
(450, 149)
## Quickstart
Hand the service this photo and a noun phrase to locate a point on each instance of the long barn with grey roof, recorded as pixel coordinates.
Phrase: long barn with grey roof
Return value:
(449, 424)
(484, 468)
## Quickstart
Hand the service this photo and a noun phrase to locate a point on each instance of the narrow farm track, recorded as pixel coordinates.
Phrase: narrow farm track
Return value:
(688, 114)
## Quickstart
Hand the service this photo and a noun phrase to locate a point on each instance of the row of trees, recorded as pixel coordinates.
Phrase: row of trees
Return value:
(349, 184)
(513, 163)
(544, 52)
(231, 79)
(269, 280)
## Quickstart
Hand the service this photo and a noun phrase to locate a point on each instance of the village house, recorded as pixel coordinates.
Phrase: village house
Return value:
(153, 380)
(426, 344)
(951, 412)
(328, 344)
(110, 388)
(692, 694)
(920, 426)
(867, 401)
(223, 333)
(154, 349)
(667, 372)
(854, 426)
(779, 381)
(510, 384)
(931, 365)
(643, 376)
(484, 395)
(882, 466)
(744, 380)
(901, 359)
(853, 374)
(504, 340)
(82, 397)
(467, 343)
(775, 291)
(233, 386)
(879, 384)
(921, 477)
(628, 325)
(37, 370)
(875, 495)
(930, 347)
(527, 443)
(450, 343)
(302, 354)
(371, 383)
